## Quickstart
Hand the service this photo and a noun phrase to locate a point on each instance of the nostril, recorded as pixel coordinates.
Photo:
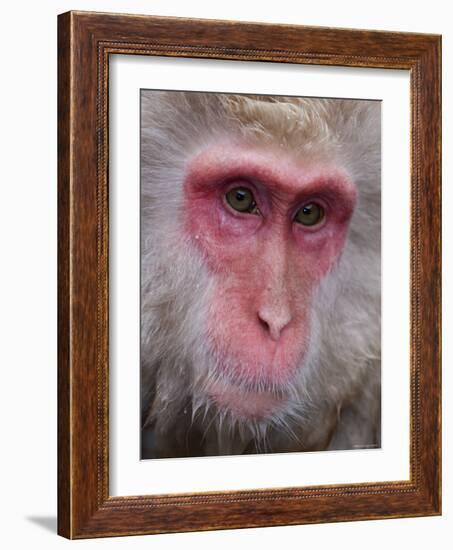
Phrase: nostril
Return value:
(264, 324)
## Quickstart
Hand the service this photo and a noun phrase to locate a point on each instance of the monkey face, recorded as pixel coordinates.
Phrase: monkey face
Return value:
(270, 227)
(260, 273)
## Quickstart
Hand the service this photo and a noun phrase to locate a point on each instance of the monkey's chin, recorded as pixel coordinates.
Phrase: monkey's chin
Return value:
(244, 404)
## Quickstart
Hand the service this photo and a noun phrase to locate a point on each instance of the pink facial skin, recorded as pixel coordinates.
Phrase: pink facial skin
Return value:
(266, 265)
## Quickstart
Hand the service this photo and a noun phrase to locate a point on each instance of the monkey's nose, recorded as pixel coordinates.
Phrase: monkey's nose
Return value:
(274, 320)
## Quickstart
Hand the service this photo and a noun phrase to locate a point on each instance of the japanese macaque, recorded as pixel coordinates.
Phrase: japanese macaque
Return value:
(260, 292)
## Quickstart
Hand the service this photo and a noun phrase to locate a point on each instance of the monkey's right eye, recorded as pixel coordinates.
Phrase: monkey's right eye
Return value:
(242, 200)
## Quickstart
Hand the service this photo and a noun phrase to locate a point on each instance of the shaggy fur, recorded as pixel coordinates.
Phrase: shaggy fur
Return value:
(335, 398)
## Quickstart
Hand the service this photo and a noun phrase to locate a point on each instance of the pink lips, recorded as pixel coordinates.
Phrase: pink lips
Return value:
(241, 404)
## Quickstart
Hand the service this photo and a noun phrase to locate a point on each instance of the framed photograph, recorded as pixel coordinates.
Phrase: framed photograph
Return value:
(249, 275)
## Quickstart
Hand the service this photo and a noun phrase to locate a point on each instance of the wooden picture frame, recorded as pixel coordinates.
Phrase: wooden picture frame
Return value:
(85, 42)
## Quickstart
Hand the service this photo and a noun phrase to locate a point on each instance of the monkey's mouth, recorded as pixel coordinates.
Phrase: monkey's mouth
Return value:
(247, 403)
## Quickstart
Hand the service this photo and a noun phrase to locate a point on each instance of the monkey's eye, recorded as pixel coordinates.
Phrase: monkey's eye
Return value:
(242, 200)
(310, 214)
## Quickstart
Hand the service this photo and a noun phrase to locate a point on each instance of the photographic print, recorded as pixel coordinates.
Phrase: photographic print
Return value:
(260, 274)
(222, 254)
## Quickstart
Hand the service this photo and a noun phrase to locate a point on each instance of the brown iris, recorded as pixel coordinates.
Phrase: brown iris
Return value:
(241, 199)
(310, 214)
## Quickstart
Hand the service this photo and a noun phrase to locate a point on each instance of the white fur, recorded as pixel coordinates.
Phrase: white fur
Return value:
(335, 398)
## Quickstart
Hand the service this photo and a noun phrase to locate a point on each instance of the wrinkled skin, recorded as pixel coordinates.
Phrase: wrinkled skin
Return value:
(260, 333)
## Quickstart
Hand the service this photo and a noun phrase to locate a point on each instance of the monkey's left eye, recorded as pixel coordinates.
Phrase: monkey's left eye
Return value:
(310, 214)
(241, 199)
